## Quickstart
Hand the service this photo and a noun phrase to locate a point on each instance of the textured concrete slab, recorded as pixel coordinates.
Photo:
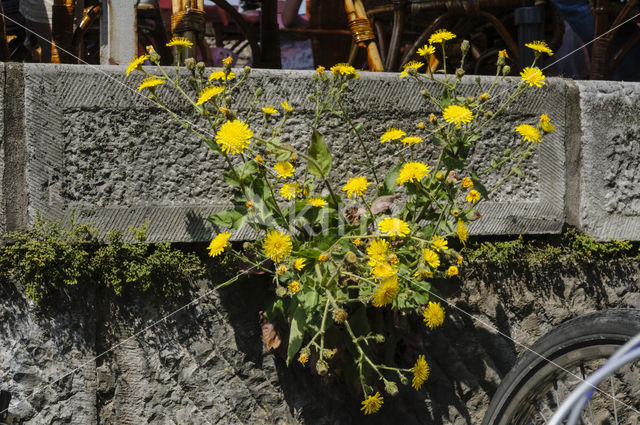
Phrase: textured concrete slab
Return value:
(610, 172)
(98, 147)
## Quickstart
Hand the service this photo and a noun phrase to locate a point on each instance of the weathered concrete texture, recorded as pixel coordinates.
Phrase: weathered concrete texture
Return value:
(3, 222)
(610, 173)
(98, 147)
(207, 363)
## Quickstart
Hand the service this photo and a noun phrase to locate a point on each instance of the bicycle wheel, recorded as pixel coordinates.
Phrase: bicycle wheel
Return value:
(531, 392)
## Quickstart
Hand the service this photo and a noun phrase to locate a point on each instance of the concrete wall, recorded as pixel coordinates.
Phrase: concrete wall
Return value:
(82, 139)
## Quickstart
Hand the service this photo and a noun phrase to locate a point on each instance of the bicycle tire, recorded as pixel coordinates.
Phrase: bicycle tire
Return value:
(592, 336)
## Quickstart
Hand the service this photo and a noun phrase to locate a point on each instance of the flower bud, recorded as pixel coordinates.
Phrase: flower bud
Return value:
(425, 92)
(311, 98)
(470, 99)
(246, 70)
(200, 66)
(322, 367)
(484, 97)
(404, 380)
(281, 291)
(154, 57)
(455, 212)
(475, 216)
(190, 64)
(282, 269)
(506, 70)
(246, 245)
(459, 72)
(501, 61)
(478, 80)
(433, 119)
(390, 387)
(228, 100)
(488, 114)
(228, 113)
(259, 91)
(452, 177)
(328, 353)
(323, 257)
(340, 315)
(350, 257)
(380, 338)
(464, 46)
(507, 152)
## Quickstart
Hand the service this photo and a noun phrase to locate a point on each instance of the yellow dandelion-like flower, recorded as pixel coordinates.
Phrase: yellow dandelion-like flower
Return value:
(463, 233)
(540, 47)
(282, 269)
(150, 83)
(218, 244)
(294, 287)
(277, 245)
(228, 61)
(320, 69)
(290, 190)
(452, 271)
(259, 159)
(357, 242)
(303, 358)
(136, 63)
(459, 259)
(391, 134)
(317, 202)
(382, 270)
(412, 140)
(420, 372)
(529, 133)
(533, 76)
(415, 65)
(356, 186)
(473, 196)
(209, 93)
(372, 404)
(269, 110)
(394, 227)
(299, 263)
(503, 54)
(286, 107)
(386, 292)
(431, 257)
(545, 124)
(433, 315)
(440, 244)
(420, 124)
(441, 36)
(412, 171)
(234, 137)
(344, 70)
(179, 42)
(467, 182)
(457, 115)
(378, 251)
(221, 76)
(284, 169)
(427, 50)
(323, 257)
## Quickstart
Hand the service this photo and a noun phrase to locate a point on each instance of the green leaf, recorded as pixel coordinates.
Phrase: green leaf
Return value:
(519, 172)
(319, 153)
(390, 178)
(230, 219)
(358, 128)
(359, 322)
(479, 186)
(296, 333)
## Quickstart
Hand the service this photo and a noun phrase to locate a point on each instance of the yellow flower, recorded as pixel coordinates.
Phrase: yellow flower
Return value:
(221, 76)
(249, 205)
(180, 42)
(282, 269)
(259, 159)
(208, 93)
(234, 137)
(463, 233)
(382, 270)
(457, 115)
(452, 271)
(459, 259)
(433, 315)
(439, 244)
(136, 63)
(540, 47)
(284, 169)
(277, 245)
(294, 287)
(150, 83)
(423, 274)
(533, 76)
(386, 292)
(394, 227)
(420, 124)
(372, 404)
(467, 182)
(503, 54)
(412, 171)
(415, 65)
(431, 258)
(357, 241)
(303, 358)
(441, 36)
(529, 133)
(545, 124)
(426, 50)
(356, 186)
(320, 69)
(299, 263)
(228, 61)
(412, 140)
(269, 110)
(286, 107)
(473, 196)
(391, 134)
(323, 257)
(420, 372)
(378, 250)
(290, 190)
(218, 244)
(345, 70)
(317, 202)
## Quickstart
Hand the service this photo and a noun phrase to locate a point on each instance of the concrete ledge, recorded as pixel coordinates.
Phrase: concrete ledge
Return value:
(97, 147)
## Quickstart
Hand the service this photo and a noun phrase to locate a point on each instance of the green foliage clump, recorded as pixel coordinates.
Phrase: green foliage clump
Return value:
(49, 258)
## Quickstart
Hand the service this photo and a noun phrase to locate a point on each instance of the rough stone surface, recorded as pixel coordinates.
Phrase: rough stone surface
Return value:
(98, 147)
(207, 365)
(610, 170)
